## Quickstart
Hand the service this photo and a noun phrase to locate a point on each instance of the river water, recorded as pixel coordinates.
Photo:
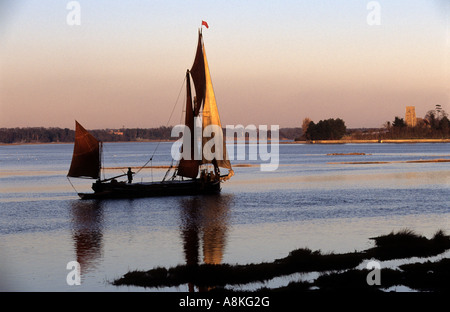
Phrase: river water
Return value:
(334, 203)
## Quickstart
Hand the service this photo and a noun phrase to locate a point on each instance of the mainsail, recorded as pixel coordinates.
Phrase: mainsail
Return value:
(86, 159)
(205, 99)
(189, 167)
(198, 76)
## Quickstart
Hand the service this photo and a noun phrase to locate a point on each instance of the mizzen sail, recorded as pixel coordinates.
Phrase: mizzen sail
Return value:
(86, 162)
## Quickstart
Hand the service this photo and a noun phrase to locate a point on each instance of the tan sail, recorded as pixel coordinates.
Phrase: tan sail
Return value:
(86, 162)
(211, 117)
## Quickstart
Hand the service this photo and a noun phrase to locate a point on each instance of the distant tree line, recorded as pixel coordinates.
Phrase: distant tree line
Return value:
(36, 135)
(290, 133)
(58, 135)
(434, 125)
(329, 129)
(133, 134)
(55, 135)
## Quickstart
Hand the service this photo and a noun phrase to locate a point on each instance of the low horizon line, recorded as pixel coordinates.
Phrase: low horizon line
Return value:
(162, 126)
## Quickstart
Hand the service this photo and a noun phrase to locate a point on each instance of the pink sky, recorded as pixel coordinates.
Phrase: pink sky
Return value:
(270, 63)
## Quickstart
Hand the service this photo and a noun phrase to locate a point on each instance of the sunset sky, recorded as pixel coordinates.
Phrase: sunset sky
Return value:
(271, 62)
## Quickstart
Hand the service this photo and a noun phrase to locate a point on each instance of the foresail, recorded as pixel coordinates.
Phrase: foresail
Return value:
(211, 118)
(86, 161)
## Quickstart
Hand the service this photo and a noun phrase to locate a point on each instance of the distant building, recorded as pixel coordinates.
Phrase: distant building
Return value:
(115, 132)
(410, 116)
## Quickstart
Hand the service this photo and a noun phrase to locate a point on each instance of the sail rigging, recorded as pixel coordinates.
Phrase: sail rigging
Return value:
(86, 159)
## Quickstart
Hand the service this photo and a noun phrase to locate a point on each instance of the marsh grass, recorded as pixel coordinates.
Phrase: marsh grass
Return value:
(406, 243)
(428, 276)
(403, 244)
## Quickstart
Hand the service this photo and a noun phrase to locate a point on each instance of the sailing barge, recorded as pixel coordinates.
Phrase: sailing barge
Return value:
(191, 176)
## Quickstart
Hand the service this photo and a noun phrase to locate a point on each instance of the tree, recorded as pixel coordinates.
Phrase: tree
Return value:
(305, 125)
(431, 119)
(435, 116)
(398, 123)
(444, 125)
(330, 129)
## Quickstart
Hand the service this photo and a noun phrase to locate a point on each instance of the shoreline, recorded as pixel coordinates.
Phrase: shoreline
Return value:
(419, 161)
(343, 141)
(55, 143)
(351, 141)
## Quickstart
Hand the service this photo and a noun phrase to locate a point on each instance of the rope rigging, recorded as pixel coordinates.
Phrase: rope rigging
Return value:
(167, 124)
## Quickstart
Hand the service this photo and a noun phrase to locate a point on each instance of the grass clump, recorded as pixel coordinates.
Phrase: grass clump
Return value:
(406, 243)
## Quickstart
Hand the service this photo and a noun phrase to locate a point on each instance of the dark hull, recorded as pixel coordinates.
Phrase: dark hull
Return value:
(154, 189)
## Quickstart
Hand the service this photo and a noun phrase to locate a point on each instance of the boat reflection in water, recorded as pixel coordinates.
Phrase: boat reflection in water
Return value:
(87, 233)
(204, 226)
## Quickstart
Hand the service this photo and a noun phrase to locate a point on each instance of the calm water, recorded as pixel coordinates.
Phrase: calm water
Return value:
(312, 200)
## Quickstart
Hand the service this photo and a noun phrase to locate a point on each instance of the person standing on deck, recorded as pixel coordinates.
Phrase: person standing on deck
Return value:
(130, 175)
